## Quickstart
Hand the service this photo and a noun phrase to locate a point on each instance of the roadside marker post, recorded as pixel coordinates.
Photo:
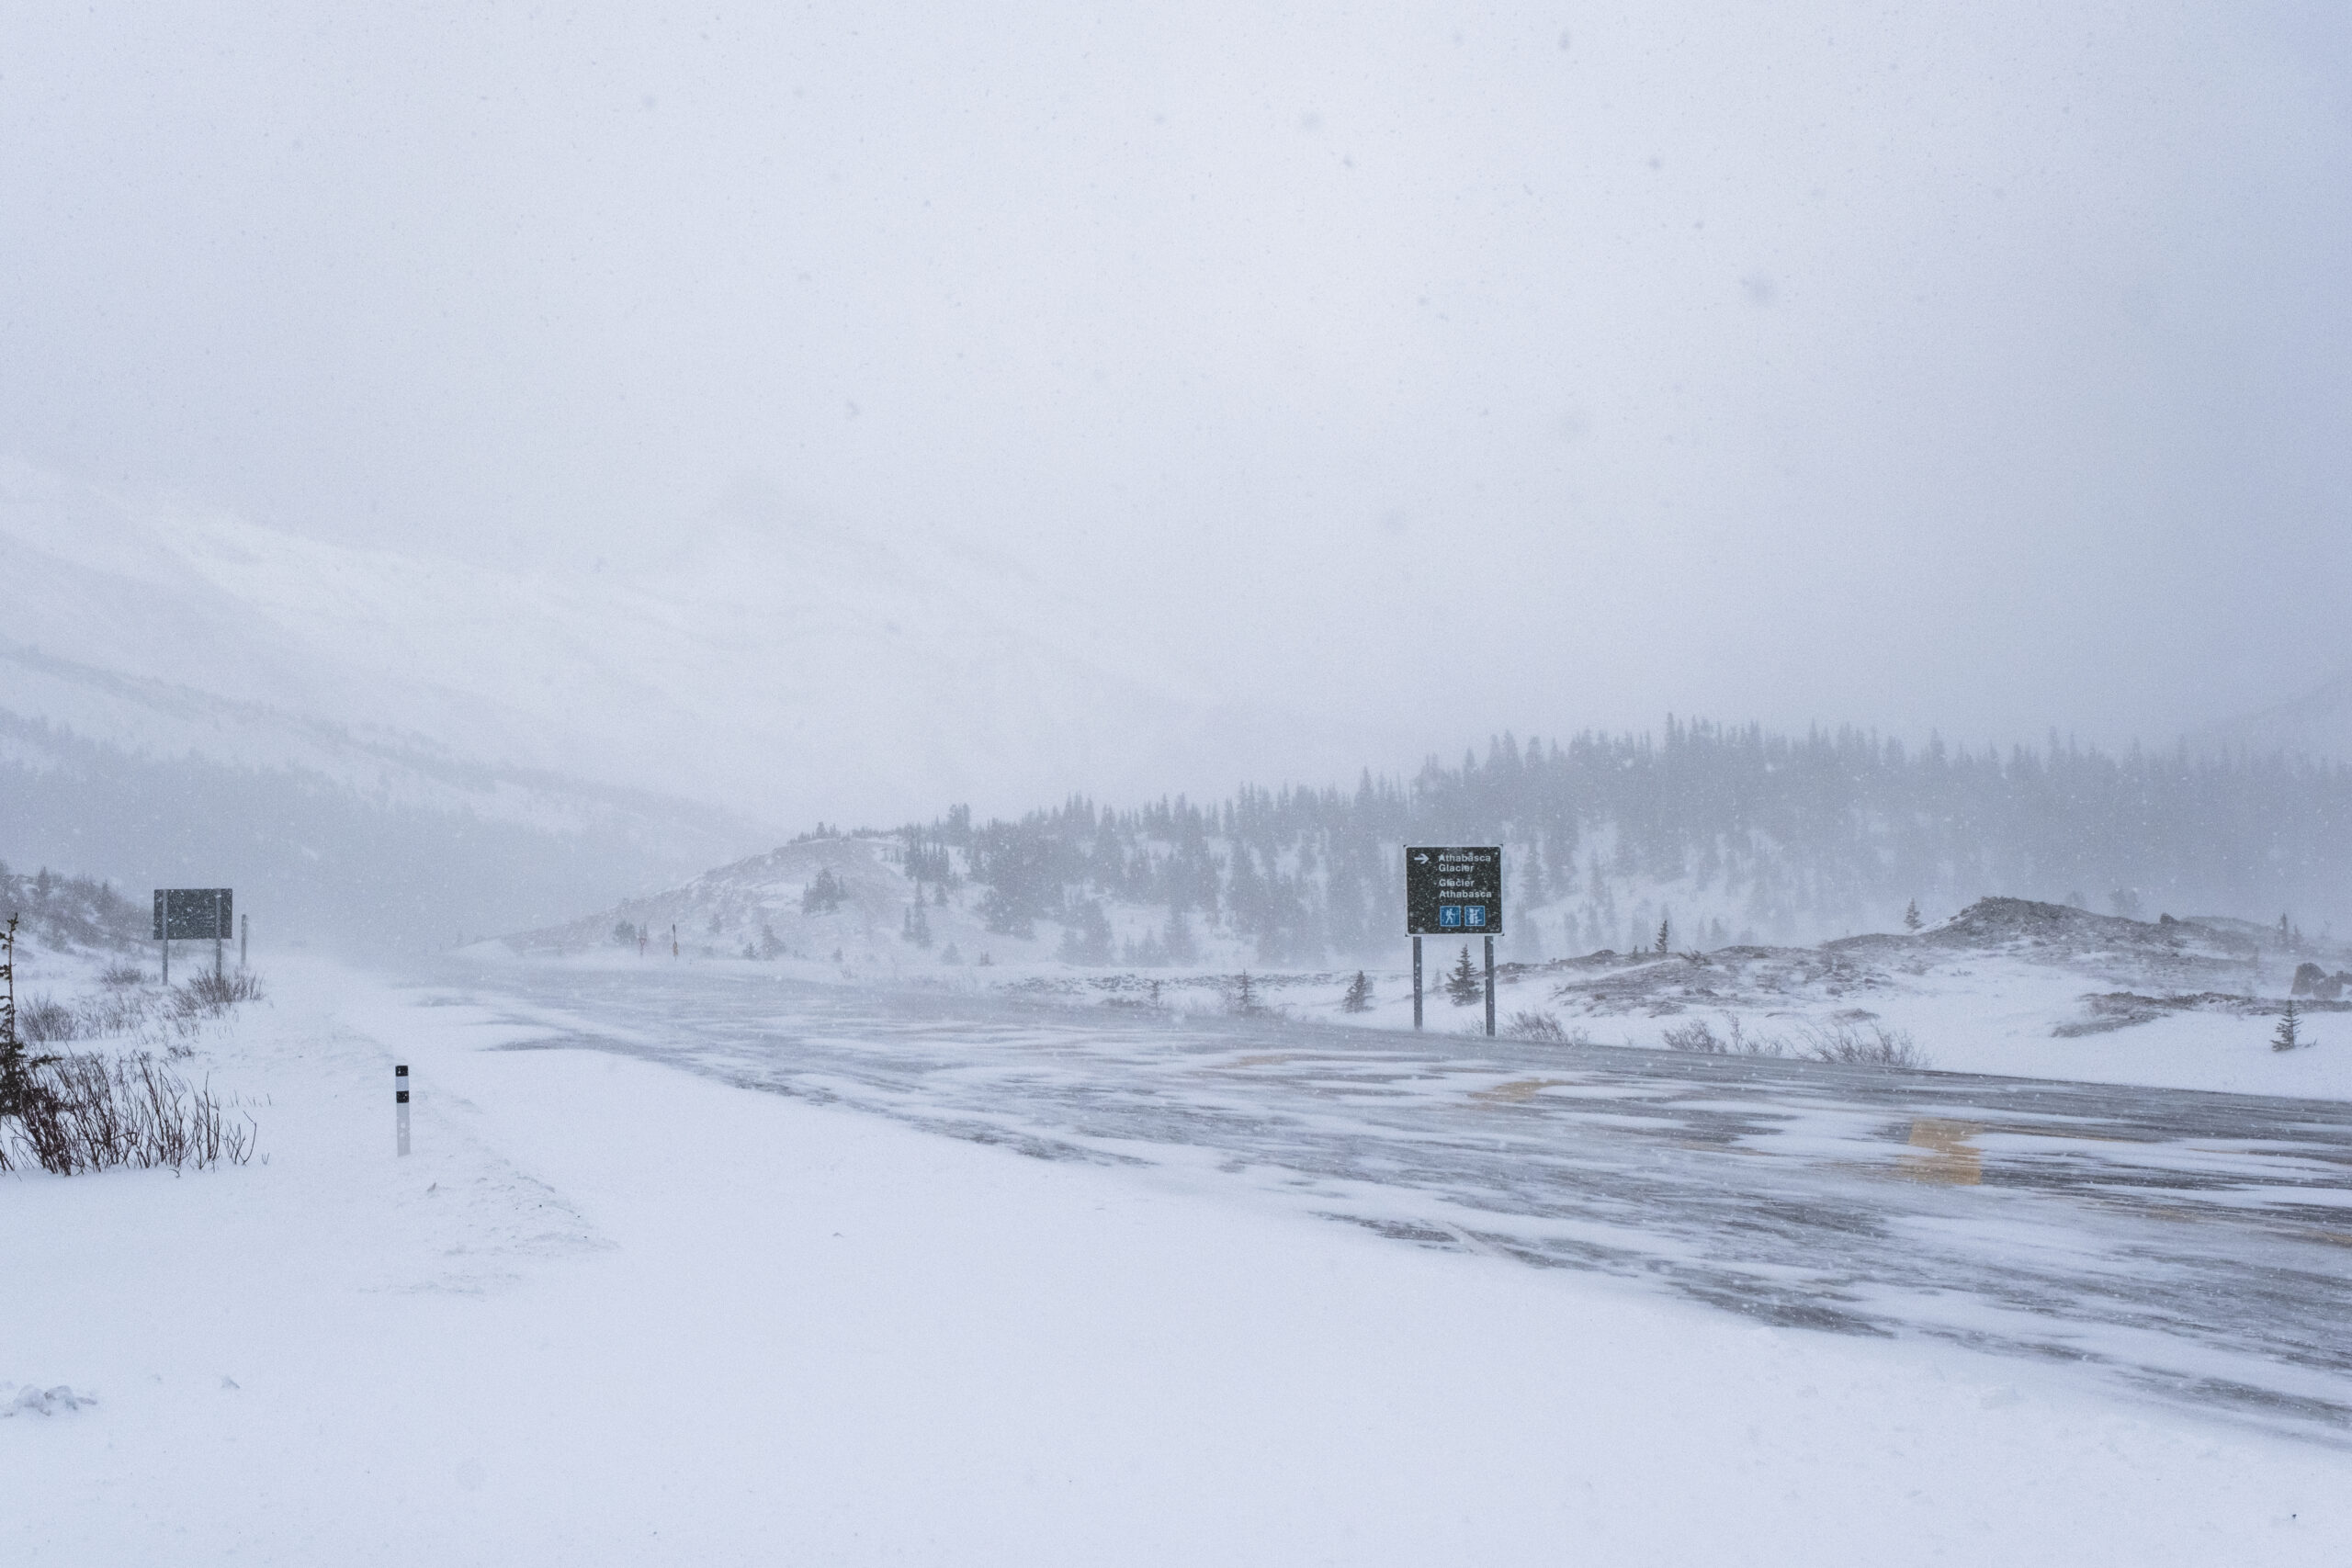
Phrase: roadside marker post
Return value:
(1452, 890)
(400, 1100)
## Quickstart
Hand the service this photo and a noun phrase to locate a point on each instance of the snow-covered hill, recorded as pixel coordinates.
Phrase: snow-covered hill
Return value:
(846, 902)
(2007, 984)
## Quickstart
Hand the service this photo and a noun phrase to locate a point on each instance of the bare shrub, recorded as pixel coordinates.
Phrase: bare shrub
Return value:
(42, 1021)
(119, 976)
(212, 996)
(1739, 1044)
(1867, 1044)
(116, 1011)
(1532, 1025)
(1735, 1041)
(1694, 1036)
(91, 1112)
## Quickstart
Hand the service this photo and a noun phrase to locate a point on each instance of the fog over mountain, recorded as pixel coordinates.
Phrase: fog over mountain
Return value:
(758, 662)
(841, 415)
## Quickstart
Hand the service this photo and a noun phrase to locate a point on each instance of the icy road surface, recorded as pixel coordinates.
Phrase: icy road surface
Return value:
(2197, 1247)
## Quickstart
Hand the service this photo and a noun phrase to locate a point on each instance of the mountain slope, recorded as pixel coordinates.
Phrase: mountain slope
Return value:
(748, 657)
(2316, 724)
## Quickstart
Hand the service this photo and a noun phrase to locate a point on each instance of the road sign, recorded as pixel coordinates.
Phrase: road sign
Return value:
(190, 914)
(1453, 890)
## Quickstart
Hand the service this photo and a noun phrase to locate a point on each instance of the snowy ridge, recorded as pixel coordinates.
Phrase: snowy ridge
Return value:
(159, 720)
(375, 843)
(749, 657)
(860, 916)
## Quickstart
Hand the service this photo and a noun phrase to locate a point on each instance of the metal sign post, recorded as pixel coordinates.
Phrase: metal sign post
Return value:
(399, 1099)
(1490, 987)
(1453, 890)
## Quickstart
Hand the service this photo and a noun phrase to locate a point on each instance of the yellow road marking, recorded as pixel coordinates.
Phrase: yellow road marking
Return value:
(1517, 1092)
(1952, 1160)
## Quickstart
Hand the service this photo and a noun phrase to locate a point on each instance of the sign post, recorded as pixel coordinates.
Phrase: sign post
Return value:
(1453, 890)
(192, 914)
(1490, 987)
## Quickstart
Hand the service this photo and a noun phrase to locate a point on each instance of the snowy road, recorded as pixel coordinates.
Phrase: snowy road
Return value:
(2195, 1246)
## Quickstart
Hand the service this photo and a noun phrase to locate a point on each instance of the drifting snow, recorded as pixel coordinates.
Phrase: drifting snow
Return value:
(613, 1313)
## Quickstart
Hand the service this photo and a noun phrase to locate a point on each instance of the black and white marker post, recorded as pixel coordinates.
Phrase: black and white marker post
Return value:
(1453, 890)
(399, 1100)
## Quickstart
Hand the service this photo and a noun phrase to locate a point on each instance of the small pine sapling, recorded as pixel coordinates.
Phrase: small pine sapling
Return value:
(1911, 922)
(1246, 1001)
(1462, 983)
(1359, 994)
(2289, 1035)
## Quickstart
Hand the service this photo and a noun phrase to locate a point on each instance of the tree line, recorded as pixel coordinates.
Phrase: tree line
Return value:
(1766, 837)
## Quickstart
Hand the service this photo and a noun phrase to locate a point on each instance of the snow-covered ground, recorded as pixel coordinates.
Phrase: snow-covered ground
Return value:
(614, 1312)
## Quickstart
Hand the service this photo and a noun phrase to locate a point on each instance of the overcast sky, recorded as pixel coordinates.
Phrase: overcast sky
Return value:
(1983, 369)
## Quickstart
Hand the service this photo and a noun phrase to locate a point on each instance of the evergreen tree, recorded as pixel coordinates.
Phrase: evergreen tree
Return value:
(20, 1092)
(1246, 1000)
(1003, 914)
(1911, 922)
(12, 1050)
(823, 895)
(1357, 998)
(1664, 935)
(1181, 948)
(2287, 1038)
(1463, 982)
(1086, 935)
